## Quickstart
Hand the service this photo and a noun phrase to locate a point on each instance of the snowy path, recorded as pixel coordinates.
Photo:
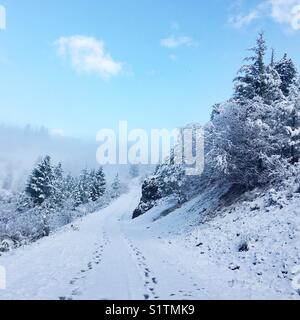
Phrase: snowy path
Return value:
(109, 257)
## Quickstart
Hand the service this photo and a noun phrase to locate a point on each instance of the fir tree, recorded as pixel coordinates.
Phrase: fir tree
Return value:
(58, 193)
(116, 187)
(98, 184)
(92, 186)
(217, 108)
(257, 79)
(287, 72)
(83, 195)
(288, 125)
(70, 185)
(40, 185)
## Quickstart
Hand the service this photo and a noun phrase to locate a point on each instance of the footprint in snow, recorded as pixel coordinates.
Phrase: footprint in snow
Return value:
(76, 292)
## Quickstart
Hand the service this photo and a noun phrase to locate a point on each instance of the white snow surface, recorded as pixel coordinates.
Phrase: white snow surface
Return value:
(106, 255)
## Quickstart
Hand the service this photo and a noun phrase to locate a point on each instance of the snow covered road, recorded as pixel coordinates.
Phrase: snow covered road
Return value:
(108, 257)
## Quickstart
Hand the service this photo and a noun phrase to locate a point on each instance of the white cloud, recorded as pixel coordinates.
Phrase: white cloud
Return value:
(285, 12)
(88, 55)
(177, 41)
(240, 20)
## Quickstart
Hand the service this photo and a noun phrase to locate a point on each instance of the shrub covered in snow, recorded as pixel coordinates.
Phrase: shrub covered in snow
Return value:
(51, 200)
(252, 140)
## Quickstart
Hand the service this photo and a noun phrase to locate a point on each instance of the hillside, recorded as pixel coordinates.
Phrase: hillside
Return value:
(247, 251)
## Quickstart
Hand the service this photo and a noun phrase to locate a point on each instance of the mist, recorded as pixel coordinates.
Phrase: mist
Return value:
(21, 149)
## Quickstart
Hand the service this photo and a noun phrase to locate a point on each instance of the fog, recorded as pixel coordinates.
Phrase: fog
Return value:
(21, 148)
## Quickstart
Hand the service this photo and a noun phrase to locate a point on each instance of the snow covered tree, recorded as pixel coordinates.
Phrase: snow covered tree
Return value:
(70, 186)
(258, 79)
(98, 184)
(244, 144)
(82, 194)
(217, 109)
(92, 186)
(40, 185)
(101, 182)
(287, 72)
(288, 124)
(58, 192)
(116, 187)
(170, 179)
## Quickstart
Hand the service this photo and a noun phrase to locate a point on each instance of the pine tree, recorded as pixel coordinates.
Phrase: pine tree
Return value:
(98, 184)
(40, 185)
(83, 195)
(101, 182)
(287, 72)
(244, 144)
(116, 187)
(273, 58)
(288, 124)
(92, 186)
(58, 193)
(217, 108)
(70, 185)
(258, 79)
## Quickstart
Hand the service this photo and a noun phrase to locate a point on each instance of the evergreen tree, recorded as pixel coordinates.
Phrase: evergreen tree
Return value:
(92, 186)
(116, 187)
(40, 185)
(83, 188)
(58, 193)
(273, 58)
(70, 185)
(288, 124)
(242, 145)
(287, 72)
(217, 108)
(101, 182)
(257, 79)
(98, 184)
(70, 191)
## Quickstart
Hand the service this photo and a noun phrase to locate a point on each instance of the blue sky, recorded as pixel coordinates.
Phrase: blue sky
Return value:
(76, 66)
